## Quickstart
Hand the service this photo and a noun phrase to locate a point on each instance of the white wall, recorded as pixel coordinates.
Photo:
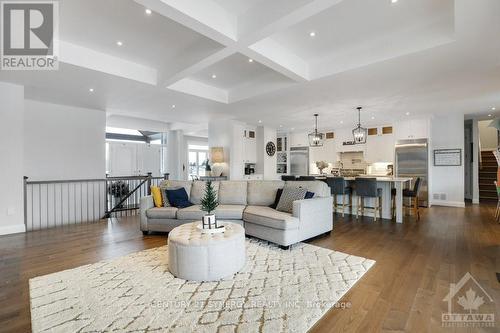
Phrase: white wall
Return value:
(228, 134)
(487, 135)
(447, 132)
(266, 165)
(11, 152)
(63, 142)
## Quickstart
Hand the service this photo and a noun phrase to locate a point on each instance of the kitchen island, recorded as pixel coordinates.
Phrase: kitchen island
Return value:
(386, 183)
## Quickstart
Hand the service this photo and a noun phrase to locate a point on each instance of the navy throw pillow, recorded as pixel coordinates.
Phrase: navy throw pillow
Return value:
(309, 195)
(178, 198)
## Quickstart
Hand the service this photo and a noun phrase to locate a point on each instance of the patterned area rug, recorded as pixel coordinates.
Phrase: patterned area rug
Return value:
(277, 291)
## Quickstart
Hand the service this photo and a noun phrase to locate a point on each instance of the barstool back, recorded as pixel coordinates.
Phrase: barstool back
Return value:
(366, 187)
(336, 184)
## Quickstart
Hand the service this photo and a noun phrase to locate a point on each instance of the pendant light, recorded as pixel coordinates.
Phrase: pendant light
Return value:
(315, 138)
(359, 133)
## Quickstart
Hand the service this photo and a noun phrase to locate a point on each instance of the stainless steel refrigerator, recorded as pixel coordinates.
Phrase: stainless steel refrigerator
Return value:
(412, 160)
(299, 161)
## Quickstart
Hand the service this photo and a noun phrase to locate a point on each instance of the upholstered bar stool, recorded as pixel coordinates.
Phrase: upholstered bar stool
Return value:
(367, 188)
(412, 195)
(286, 177)
(338, 187)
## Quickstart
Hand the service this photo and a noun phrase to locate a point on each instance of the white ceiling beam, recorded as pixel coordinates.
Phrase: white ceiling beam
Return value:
(200, 89)
(87, 58)
(200, 65)
(205, 17)
(280, 59)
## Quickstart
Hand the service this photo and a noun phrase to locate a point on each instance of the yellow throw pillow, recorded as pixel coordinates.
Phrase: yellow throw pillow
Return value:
(156, 193)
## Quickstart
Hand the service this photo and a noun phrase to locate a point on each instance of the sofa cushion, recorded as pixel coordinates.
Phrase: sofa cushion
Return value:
(233, 192)
(198, 191)
(289, 195)
(263, 192)
(175, 184)
(193, 213)
(162, 213)
(229, 212)
(319, 188)
(269, 217)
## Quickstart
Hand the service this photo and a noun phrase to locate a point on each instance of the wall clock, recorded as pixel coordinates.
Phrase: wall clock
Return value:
(270, 148)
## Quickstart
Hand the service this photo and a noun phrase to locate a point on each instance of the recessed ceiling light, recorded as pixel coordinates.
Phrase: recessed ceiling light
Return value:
(214, 76)
(373, 118)
(394, 1)
(91, 90)
(493, 108)
(119, 43)
(148, 11)
(312, 34)
(489, 115)
(341, 121)
(250, 60)
(281, 126)
(407, 113)
(260, 121)
(173, 106)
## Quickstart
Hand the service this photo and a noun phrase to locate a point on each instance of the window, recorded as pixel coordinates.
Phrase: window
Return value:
(198, 159)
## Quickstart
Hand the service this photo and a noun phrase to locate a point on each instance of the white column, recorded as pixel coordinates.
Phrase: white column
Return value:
(12, 155)
(176, 155)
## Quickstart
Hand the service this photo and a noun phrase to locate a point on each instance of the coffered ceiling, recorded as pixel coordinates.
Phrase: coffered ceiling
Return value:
(276, 61)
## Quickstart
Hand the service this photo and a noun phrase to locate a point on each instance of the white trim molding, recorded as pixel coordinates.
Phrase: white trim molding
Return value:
(446, 203)
(12, 229)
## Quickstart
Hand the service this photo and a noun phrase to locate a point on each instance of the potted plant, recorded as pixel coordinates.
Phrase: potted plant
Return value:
(321, 165)
(208, 204)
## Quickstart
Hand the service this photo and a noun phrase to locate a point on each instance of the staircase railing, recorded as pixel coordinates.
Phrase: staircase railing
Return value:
(55, 203)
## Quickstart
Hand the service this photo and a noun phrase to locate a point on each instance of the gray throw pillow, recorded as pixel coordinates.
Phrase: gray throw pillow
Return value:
(289, 195)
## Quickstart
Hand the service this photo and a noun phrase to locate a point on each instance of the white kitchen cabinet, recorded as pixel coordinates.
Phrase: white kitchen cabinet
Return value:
(379, 148)
(298, 139)
(250, 150)
(412, 129)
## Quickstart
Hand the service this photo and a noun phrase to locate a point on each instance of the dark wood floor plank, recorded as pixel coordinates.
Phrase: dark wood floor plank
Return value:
(416, 262)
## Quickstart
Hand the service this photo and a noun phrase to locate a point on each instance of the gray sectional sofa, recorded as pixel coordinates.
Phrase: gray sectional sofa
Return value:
(247, 203)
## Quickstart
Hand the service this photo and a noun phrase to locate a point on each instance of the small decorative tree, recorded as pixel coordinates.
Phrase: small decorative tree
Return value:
(208, 204)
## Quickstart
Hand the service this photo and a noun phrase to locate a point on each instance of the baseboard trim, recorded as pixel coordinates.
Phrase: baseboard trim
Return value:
(475, 201)
(445, 203)
(12, 229)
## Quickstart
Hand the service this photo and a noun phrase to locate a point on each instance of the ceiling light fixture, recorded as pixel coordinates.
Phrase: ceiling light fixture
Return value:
(250, 60)
(315, 138)
(214, 76)
(341, 121)
(260, 121)
(359, 133)
(173, 106)
(489, 115)
(119, 43)
(312, 34)
(394, 1)
(373, 117)
(91, 90)
(148, 11)
(407, 113)
(493, 108)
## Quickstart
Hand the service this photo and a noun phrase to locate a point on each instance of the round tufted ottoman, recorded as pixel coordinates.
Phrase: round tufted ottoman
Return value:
(205, 257)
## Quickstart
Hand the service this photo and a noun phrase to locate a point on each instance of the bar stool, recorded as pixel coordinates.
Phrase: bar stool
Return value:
(338, 187)
(367, 188)
(411, 194)
(285, 177)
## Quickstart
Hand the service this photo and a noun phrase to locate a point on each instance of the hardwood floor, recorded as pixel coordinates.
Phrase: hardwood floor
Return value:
(416, 262)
